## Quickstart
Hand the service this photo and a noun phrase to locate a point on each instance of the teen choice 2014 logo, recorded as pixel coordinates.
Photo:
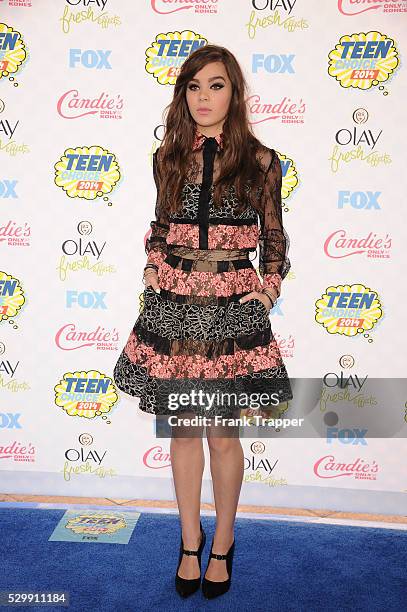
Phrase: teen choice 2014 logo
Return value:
(169, 51)
(289, 177)
(96, 523)
(348, 310)
(87, 172)
(363, 60)
(86, 394)
(12, 52)
(11, 297)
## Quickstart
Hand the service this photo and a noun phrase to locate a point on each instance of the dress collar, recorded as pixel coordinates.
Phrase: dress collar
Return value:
(200, 139)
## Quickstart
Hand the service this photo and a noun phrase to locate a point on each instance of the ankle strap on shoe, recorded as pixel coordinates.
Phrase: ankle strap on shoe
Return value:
(190, 552)
(214, 556)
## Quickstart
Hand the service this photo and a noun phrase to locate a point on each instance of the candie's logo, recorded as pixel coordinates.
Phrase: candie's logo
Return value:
(12, 52)
(341, 243)
(363, 60)
(11, 297)
(87, 172)
(200, 6)
(359, 469)
(356, 7)
(86, 394)
(348, 309)
(168, 52)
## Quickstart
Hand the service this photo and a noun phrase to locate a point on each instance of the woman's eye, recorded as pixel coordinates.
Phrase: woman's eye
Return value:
(214, 85)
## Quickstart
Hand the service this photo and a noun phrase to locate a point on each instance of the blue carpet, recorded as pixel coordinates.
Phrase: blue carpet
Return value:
(278, 566)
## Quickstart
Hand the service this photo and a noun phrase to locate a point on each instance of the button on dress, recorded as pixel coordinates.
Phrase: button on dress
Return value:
(194, 337)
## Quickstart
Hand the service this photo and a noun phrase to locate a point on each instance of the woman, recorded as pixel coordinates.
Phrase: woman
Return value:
(205, 324)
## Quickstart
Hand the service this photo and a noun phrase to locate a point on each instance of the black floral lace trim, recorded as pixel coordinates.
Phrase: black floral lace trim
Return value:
(202, 300)
(154, 393)
(208, 349)
(202, 323)
(227, 212)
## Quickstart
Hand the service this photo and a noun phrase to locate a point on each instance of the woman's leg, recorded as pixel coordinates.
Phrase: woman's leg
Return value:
(187, 462)
(227, 468)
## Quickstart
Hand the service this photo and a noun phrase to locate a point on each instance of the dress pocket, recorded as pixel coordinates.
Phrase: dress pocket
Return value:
(261, 306)
(149, 292)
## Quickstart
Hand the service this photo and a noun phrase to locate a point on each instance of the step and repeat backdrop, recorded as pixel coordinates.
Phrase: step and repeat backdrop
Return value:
(83, 87)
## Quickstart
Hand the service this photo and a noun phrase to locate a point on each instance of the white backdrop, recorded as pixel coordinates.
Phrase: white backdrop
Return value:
(83, 78)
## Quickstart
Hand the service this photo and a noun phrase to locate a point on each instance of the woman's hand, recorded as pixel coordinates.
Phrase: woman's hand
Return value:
(259, 296)
(150, 278)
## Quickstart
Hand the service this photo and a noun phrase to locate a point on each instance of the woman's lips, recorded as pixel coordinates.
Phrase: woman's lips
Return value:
(204, 112)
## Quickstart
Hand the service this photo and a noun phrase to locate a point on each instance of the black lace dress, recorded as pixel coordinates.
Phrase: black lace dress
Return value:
(194, 338)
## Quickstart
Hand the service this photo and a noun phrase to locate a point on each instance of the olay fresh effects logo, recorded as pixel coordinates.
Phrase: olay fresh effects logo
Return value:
(343, 387)
(9, 145)
(88, 394)
(261, 17)
(85, 460)
(340, 244)
(349, 310)
(88, 173)
(357, 144)
(14, 235)
(70, 338)
(201, 7)
(340, 387)
(8, 370)
(12, 298)
(73, 105)
(363, 60)
(94, 12)
(82, 254)
(156, 458)
(284, 110)
(356, 7)
(168, 52)
(359, 469)
(259, 468)
(12, 53)
(7, 128)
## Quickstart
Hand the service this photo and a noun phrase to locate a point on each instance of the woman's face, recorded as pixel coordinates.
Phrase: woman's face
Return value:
(211, 89)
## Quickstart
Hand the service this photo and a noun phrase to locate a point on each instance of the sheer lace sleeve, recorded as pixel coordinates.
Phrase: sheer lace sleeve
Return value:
(274, 263)
(156, 243)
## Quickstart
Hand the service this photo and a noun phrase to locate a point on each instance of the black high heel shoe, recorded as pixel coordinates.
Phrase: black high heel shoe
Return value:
(211, 589)
(184, 586)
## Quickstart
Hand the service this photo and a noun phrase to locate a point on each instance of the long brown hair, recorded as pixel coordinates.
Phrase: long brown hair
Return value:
(238, 162)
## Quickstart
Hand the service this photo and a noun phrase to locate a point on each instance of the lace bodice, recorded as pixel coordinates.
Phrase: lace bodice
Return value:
(249, 229)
